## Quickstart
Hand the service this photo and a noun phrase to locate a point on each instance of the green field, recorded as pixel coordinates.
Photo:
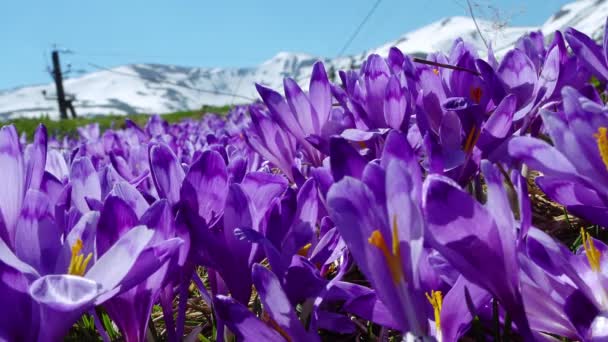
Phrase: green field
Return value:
(60, 128)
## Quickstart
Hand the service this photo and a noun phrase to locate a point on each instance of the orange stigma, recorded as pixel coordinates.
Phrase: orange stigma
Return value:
(392, 257)
(472, 138)
(476, 94)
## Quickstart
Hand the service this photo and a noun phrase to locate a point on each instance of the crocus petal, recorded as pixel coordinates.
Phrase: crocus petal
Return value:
(12, 186)
(56, 164)
(280, 110)
(460, 228)
(8, 257)
(38, 238)
(456, 317)
(64, 292)
(404, 212)
(548, 78)
(52, 187)
(272, 142)
(370, 308)
(374, 176)
(396, 146)
(120, 258)
(300, 106)
(167, 173)
(35, 159)
(588, 52)
(108, 177)
(302, 281)
(237, 214)
(308, 203)
(148, 266)
(242, 322)
(518, 73)
(499, 123)
(394, 103)
(131, 196)
(277, 305)
(345, 160)
(85, 183)
(450, 132)
(376, 76)
(262, 188)
(541, 156)
(18, 306)
(206, 184)
(320, 95)
(580, 199)
(499, 207)
(116, 218)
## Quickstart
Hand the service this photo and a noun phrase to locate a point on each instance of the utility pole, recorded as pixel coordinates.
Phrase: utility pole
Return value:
(63, 113)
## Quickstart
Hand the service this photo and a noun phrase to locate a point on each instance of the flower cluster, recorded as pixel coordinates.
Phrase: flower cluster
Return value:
(391, 204)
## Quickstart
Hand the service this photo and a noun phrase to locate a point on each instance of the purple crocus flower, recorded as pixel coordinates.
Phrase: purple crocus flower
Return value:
(378, 212)
(122, 210)
(479, 241)
(215, 208)
(589, 52)
(271, 142)
(300, 114)
(64, 269)
(561, 291)
(280, 321)
(68, 278)
(166, 171)
(574, 169)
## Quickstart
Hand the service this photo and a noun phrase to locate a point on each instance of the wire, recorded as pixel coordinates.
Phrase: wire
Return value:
(476, 25)
(238, 87)
(127, 55)
(356, 32)
(171, 83)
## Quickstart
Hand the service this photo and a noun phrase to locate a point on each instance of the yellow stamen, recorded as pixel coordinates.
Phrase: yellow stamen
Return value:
(476, 94)
(593, 254)
(362, 144)
(436, 300)
(436, 71)
(304, 250)
(472, 138)
(392, 257)
(78, 262)
(602, 144)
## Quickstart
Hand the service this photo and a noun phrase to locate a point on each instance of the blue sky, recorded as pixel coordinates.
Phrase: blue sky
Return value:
(214, 33)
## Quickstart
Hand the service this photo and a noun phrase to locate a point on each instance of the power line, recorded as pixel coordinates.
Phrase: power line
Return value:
(476, 25)
(238, 87)
(133, 56)
(356, 32)
(171, 83)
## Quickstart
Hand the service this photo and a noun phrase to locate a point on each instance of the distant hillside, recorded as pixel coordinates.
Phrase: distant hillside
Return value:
(155, 88)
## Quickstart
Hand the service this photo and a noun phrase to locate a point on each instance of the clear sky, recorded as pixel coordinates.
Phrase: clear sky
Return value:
(214, 33)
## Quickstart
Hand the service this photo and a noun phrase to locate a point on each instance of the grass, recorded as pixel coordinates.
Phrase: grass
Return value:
(60, 128)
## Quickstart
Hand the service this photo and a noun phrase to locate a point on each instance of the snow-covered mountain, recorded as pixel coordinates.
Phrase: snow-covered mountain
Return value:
(155, 88)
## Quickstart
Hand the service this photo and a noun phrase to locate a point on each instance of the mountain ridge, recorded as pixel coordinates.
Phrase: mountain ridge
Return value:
(163, 88)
